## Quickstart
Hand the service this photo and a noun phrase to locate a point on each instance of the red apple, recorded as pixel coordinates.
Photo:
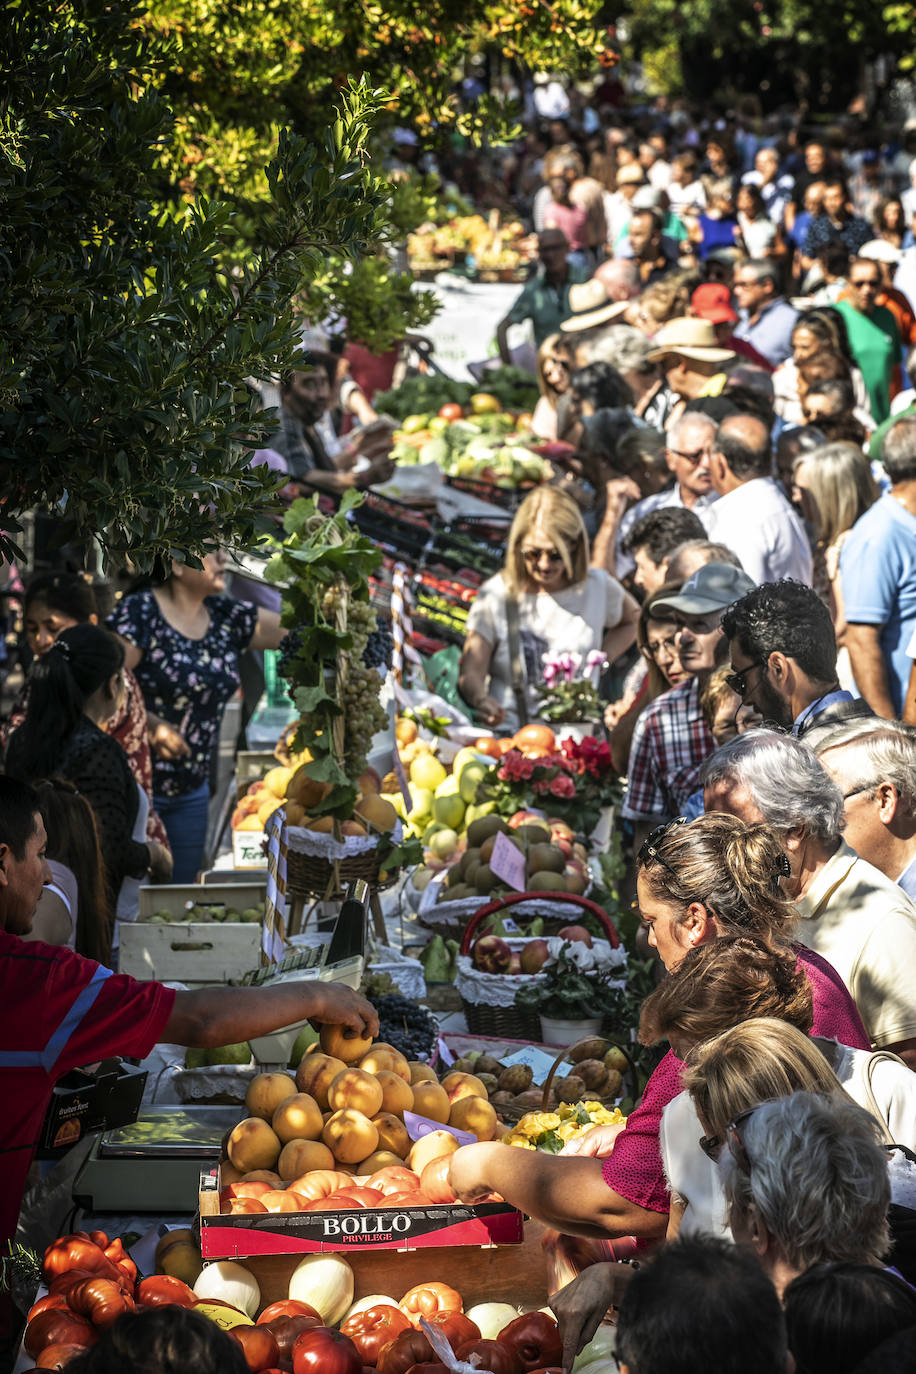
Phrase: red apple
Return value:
(562, 843)
(576, 933)
(491, 955)
(534, 956)
(525, 818)
(515, 963)
(559, 830)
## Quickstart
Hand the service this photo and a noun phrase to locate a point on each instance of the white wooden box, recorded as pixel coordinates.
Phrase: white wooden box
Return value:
(248, 849)
(192, 951)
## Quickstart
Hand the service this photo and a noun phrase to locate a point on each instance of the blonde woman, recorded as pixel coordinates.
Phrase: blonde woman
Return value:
(554, 369)
(562, 605)
(834, 487)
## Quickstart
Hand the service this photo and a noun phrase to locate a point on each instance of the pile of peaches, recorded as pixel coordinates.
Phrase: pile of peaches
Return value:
(334, 1137)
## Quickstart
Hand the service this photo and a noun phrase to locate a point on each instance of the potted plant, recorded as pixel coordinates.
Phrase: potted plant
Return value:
(568, 698)
(572, 999)
(575, 783)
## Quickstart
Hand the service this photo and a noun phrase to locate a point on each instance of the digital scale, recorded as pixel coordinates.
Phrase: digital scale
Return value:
(154, 1165)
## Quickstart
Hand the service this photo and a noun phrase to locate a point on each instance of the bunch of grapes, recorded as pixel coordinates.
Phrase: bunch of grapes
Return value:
(363, 715)
(288, 651)
(405, 1025)
(380, 648)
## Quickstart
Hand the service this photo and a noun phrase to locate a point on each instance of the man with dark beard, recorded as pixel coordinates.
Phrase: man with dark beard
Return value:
(783, 652)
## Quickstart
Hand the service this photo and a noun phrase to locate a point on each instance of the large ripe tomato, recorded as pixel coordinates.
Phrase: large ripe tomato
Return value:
(357, 1197)
(434, 1180)
(427, 1299)
(57, 1327)
(49, 1303)
(76, 1252)
(451, 411)
(161, 1289)
(456, 1327)
(497, 1358)
(258, 1344)
(288, 1307)
(488, 745)
(287, 1330)
(58, 1356)
(409, 1348)
(324, 1351)
(393, 1179)
(101, 1300)
(534, 1339)
(319, 1183)
(373, 1328)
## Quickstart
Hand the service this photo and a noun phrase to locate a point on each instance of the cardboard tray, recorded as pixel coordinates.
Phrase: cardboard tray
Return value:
(192, 951)
(381, 1228)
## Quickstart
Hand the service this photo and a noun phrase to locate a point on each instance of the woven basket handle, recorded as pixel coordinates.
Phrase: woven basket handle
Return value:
(565, 1053)
(573, 898)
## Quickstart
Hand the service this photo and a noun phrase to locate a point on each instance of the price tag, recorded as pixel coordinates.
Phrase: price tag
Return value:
(508, 863)
(402, 782)
(419, 1126)
(510, 927)
(536, 1060)
(445, 1053)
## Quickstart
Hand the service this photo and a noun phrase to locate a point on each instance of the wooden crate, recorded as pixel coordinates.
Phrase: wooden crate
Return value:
(516, 1274)
(250, 766)
(192, 951)
(248, 849)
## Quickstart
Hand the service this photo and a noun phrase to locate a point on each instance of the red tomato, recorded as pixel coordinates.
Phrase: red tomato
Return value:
(319, 1183)
(452, 411)
(535, 740)
(159, 1289)
(288, 1307)
(57, 1327)
(415, 1198)
(76, 1252)
(456, 1327)
(356, 1197)
(434, 1180)
(258, 1344)
(324, 1351)
(374, 1328)
(283, 1200)
(58, 1356)
(497, 1358)
(534, 1340)
(427, 1299)
(409, 1348)
(286, 1330)
(48, 1304)
(239, 1206)
(99, 1238)
(101, 1300)
(393, 1179)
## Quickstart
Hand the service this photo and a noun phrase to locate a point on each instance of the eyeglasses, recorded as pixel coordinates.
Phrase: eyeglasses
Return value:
(693, 458)
(865, 787)
(648, 851)
(711, 1145)
(560, 362)
(738, 681)
(668, 645)
(535, 555)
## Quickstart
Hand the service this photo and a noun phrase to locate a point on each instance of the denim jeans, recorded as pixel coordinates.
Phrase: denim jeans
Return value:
(185, 821)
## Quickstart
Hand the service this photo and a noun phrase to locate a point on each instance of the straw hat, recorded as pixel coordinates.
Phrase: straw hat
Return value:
(590, 305)
(690, 337)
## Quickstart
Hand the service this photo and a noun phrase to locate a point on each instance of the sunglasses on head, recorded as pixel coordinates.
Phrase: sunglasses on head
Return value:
(648, 850)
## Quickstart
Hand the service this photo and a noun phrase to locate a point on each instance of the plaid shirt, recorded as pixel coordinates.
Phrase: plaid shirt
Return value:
(670, 742)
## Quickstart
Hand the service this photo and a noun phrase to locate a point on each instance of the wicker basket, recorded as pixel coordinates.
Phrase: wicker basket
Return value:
(520, 1023)
(449, 919)
(629, 1087)
(309, 875)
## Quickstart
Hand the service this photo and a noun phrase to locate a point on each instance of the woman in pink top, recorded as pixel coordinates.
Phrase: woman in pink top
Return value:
(715, 876)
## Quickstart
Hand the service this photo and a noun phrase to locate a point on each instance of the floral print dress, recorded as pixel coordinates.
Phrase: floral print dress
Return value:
(186, 682)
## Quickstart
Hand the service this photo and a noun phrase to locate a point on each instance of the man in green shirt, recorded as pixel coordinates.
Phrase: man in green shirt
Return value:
(544, 299)
(874, 339)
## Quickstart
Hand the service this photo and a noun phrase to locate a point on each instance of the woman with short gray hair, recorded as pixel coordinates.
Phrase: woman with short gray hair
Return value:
(806, 1180)
(783, 781)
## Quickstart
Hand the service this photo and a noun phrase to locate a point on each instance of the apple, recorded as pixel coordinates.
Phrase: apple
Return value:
(534, 956)
(562, 843)
(574, 933)
(515, 963)
(491, 955)
(560, 830)
(525, 818)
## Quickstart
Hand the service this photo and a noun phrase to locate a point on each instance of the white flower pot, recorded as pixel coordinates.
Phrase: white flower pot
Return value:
(559, 1033)
(576, 729)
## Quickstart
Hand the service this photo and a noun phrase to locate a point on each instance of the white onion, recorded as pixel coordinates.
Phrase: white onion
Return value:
(491, 1317)
(230, 1282)
(326, 1282)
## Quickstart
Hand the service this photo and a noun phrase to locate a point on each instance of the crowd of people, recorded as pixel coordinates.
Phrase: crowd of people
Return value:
(723, 311)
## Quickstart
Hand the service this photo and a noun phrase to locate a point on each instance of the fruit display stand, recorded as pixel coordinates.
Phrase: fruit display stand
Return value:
(193, 952)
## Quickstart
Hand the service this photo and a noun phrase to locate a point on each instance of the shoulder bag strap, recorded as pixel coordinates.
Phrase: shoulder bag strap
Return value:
(876, 1057)
(515, 659)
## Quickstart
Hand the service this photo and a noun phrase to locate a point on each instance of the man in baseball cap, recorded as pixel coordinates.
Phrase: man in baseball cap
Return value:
(672, 740)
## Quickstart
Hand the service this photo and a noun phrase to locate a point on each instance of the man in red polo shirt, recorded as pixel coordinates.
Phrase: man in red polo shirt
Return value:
(59, 1011)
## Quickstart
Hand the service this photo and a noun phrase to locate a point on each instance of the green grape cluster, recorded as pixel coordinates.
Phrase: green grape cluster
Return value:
(363, 715)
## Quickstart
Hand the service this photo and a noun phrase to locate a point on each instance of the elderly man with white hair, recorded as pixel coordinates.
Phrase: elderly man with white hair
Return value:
(688, 453)
(851, 914)
(875, 770)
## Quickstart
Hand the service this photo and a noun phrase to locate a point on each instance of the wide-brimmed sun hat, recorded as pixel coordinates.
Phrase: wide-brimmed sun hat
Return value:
(691, 338)
(590, 305)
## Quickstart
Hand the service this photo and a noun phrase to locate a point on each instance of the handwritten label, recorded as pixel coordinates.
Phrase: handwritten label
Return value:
(402, 782)
(536, 1060)
(508, 863)
(419, 1126)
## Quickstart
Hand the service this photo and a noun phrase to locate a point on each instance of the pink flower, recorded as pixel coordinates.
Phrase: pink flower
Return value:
(541, 786)
(561, 786)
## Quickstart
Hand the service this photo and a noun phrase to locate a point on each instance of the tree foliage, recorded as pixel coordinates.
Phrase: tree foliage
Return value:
(126, 347)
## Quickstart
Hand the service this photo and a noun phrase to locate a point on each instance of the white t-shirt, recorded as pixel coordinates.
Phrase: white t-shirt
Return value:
(571, 621)
(764, 530)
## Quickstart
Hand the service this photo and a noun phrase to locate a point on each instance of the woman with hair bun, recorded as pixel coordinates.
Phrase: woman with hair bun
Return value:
(714, 878)
(74, 688)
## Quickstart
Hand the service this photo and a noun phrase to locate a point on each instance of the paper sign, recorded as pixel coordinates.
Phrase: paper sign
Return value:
(537, 1061)
(508, 863)
(419, 1126)
(402, 782)
(510, 927)
(445, 1053)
